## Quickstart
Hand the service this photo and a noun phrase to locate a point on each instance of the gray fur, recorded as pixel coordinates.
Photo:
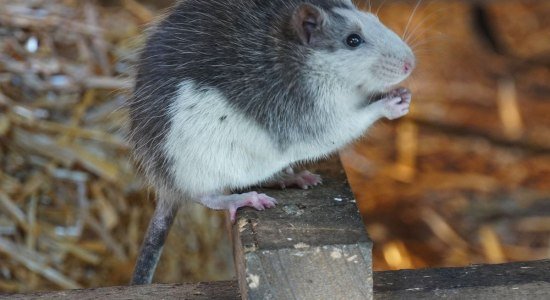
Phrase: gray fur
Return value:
(246, 49)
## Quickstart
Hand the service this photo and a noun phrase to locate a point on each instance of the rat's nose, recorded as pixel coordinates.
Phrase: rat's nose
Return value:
(408, 66)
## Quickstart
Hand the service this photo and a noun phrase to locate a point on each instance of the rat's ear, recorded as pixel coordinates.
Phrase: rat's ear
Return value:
(307, 21)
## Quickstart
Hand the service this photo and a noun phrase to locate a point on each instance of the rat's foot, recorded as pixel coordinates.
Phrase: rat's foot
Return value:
(235, 201)
(251, 199)
(397, 103)
(288, 178)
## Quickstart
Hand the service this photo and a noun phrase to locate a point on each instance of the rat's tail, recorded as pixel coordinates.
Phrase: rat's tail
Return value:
(154, 239)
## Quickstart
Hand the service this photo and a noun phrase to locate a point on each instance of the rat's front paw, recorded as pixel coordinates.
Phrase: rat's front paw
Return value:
(397, 103)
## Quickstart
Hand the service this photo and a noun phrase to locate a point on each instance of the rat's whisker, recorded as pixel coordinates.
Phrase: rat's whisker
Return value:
(418, 42)
(437, 36)
(380, 7)
(422, 22)
(411, 17)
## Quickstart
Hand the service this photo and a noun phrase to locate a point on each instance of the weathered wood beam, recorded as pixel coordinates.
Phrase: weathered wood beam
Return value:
(192, 291)
(524, 280)
(313, 245)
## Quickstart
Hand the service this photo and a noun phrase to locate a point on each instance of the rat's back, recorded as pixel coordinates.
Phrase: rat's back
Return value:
(208, 82)
(193, 45)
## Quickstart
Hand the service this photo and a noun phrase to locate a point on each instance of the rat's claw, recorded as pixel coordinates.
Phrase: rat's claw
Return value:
(266, 201)
(310, 178)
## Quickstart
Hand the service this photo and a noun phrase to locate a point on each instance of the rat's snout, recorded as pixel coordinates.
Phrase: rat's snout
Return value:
(408, 66)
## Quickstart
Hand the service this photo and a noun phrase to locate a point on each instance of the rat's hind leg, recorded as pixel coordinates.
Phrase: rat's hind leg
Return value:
(235, 201)
(288, 178)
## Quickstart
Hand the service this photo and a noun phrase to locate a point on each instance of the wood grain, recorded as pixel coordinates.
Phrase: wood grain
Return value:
(197, 291)
(313, 245)
(524, 280)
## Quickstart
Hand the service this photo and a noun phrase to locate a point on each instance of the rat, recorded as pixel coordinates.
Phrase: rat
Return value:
(232, 94)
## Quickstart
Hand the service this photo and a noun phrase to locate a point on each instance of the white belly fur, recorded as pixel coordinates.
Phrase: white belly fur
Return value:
(210, 155)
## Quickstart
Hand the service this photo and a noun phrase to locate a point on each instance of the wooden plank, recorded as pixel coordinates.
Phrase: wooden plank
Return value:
(313, 245)
(525, 280)
(191, 291)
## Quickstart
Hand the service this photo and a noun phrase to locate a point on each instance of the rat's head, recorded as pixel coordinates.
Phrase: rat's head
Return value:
(353, 45)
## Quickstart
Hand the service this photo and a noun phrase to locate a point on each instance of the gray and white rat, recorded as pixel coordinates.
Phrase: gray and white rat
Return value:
(230, 94)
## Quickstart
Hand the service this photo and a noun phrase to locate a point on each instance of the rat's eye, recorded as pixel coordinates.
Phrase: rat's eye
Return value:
(354, 40)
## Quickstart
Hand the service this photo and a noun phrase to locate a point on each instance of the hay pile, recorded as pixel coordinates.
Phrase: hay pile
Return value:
(72, 210)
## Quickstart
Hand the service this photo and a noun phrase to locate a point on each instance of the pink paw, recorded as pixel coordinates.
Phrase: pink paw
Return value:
(251, 199)
(303, 180)
(397, 103)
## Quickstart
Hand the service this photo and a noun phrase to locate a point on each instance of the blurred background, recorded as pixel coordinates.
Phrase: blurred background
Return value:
(464, 178)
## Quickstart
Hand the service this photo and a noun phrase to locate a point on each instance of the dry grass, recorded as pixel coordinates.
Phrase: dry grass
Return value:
(72, 209)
